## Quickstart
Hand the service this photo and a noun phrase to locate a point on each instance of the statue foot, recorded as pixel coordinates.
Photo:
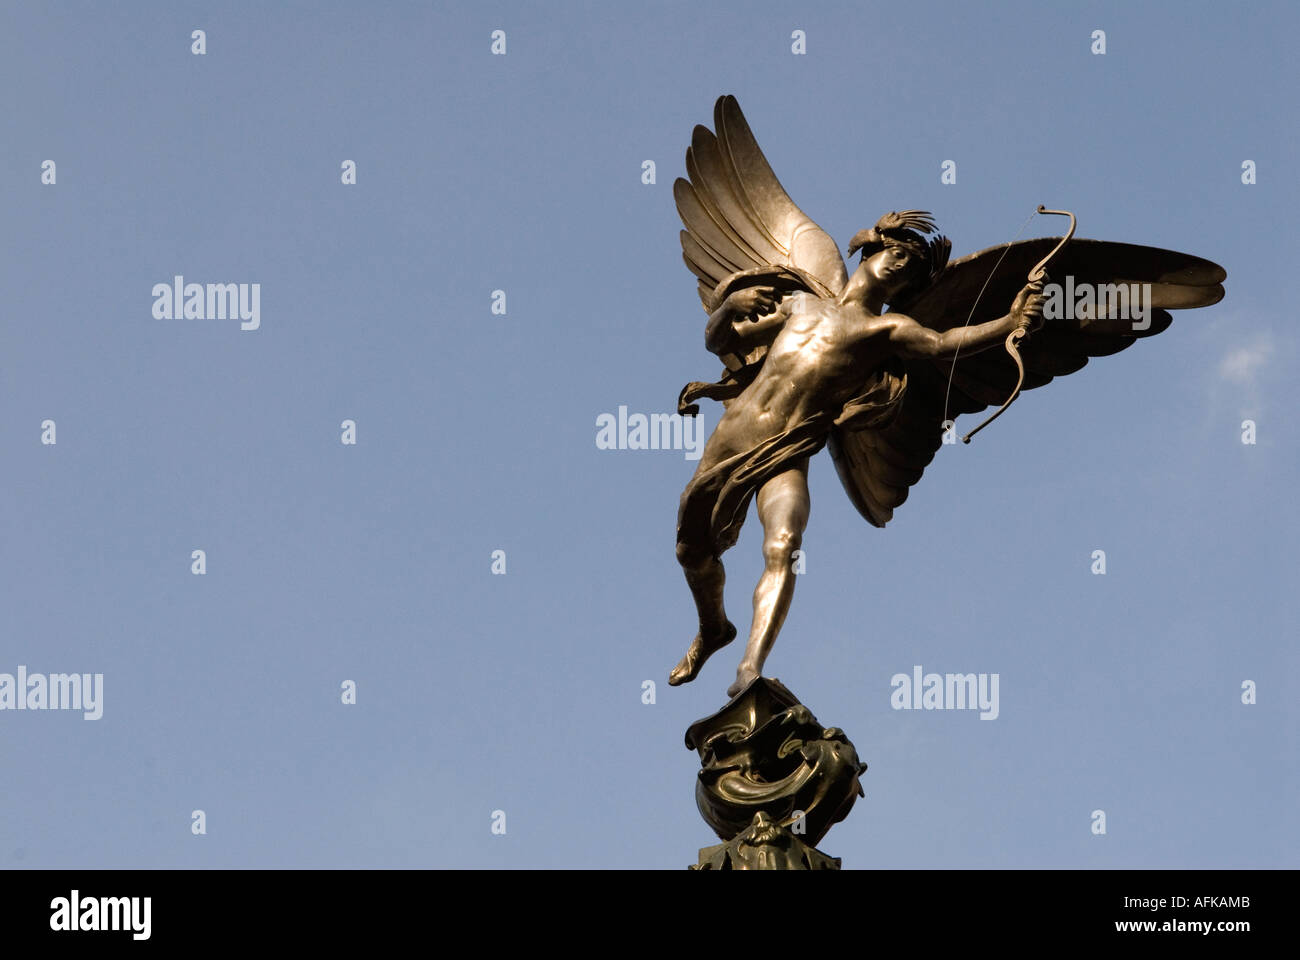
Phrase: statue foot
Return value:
(744, 677)
(700, 650)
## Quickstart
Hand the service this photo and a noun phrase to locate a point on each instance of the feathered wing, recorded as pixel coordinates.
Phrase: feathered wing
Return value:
(738, 218)
(879, 466)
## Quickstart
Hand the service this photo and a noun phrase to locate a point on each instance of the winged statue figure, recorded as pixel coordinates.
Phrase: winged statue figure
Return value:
(874, 365)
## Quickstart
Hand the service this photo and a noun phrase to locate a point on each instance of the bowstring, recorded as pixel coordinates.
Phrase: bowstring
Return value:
(952, 367)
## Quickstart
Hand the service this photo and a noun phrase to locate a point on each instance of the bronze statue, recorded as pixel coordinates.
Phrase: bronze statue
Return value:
(814, 359)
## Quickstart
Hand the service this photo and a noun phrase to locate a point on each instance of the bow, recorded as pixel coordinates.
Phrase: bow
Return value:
(1022, 329)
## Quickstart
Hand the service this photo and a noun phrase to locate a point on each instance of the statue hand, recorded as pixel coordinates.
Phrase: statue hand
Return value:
(1027, 310)
(751, 302)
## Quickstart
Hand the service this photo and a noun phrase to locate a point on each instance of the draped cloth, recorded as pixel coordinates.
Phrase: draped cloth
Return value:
(715, 502)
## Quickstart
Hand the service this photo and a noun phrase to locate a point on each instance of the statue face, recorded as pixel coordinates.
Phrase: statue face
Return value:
(892, 269)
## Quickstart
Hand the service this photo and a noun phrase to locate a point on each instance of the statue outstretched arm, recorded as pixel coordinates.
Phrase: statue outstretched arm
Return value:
(911, 340)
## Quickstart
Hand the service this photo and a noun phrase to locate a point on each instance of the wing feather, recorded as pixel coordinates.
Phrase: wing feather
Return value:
(724, 192)
(706, 186)
(701, 262)
(705, 231)
(737, 215)
(800, 240)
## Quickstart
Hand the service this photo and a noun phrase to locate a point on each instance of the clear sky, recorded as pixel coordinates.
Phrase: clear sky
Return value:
(475, 432)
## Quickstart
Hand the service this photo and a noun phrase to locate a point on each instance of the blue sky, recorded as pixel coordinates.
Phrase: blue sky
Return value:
(476, 432)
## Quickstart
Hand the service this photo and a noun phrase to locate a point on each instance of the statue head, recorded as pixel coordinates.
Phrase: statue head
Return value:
(900, 260)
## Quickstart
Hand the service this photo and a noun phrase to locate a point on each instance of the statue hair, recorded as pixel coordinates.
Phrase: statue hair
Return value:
(907, 229)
